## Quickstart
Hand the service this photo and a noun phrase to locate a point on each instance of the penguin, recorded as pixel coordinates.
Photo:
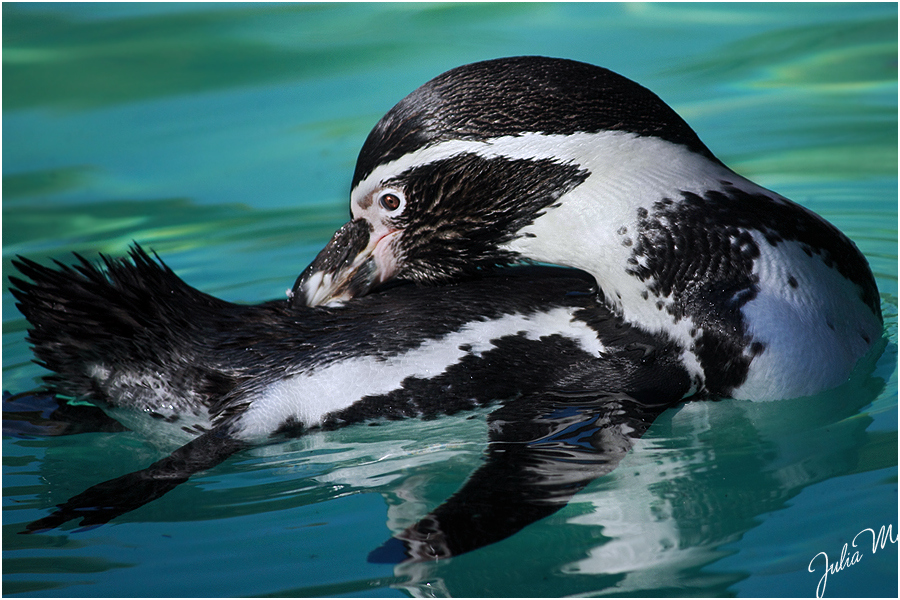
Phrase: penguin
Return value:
(570, 384)
(544, 160)
(699, 284)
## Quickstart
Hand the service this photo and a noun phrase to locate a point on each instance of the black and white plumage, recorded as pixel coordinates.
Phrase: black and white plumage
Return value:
(136, 339)
(554, 161)
(706, 284)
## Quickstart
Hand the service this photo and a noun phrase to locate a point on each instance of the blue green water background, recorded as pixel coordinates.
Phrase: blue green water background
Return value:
(224, 138)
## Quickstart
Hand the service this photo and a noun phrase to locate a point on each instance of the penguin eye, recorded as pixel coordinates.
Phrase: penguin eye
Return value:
(390, 201)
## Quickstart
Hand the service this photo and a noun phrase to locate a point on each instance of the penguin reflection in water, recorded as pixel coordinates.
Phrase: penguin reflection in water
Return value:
(693, 283)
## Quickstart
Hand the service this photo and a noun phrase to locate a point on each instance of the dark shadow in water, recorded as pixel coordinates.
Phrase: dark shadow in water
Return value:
(542, 451)
(43, 414)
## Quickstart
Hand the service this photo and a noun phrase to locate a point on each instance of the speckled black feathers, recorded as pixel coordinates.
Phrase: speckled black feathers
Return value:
(685, 227)
(511, 96)
(698, 251)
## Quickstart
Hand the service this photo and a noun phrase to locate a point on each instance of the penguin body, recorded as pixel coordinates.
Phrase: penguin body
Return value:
(533, 159)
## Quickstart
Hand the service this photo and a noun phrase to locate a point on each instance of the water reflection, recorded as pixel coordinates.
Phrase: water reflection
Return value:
(701, 480)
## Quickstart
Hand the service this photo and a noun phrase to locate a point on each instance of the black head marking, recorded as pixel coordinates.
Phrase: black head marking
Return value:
(460, 209)
(511, 96)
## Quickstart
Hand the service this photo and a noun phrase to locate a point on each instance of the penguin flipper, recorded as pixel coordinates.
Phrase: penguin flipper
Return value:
(107, 500)
(542, 451)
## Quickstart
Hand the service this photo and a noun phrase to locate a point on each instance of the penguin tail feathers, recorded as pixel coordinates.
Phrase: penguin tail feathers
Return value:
(126, 310)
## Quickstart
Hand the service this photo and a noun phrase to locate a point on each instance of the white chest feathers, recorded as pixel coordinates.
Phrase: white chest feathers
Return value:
(810, 320)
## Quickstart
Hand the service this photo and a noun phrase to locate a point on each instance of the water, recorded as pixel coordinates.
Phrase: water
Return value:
(224, 137)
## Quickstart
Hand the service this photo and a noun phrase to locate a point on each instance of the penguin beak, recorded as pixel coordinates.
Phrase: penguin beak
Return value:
(350, 265)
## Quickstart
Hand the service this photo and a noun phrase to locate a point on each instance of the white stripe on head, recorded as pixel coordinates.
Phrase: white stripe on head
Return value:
(600, 152)
(627, 172)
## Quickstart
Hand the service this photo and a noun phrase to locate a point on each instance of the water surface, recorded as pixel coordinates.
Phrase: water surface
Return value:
(224, 138)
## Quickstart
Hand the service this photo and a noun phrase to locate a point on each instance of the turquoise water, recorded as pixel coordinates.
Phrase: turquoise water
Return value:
(224, 137)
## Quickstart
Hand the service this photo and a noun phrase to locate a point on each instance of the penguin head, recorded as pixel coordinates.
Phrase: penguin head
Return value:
(454, 174)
